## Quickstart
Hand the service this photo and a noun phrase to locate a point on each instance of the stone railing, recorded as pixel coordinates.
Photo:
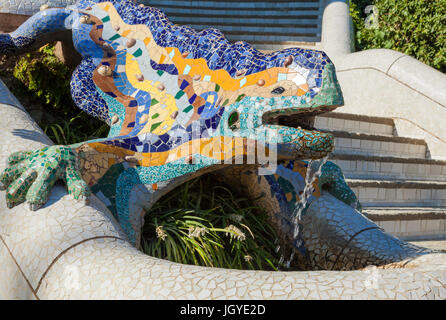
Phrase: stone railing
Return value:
(386, 83)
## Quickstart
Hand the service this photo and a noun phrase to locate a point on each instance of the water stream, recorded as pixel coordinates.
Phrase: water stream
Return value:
(314, 170)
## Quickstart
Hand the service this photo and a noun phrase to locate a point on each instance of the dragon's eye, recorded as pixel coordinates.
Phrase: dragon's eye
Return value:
(278, 90)
(233, 120)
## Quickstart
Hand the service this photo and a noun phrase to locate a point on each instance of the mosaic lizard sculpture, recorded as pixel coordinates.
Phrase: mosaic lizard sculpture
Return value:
(179, 103)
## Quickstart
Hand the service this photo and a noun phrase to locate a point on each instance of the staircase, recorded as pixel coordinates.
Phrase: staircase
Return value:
(267, 25)
(400, 188)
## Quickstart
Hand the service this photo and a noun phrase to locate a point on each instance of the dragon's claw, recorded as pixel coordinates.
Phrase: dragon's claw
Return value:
(34, 206)
(30, 176)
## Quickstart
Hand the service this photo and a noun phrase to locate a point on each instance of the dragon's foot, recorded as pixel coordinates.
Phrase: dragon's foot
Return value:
(332, 180)
(30, 175)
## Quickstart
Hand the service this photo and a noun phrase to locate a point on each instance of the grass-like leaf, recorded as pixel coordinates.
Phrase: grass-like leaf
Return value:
(229, 231)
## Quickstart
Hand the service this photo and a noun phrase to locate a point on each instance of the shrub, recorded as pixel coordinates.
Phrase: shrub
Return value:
(203, 223)
(414, 27)
(45, 76)
(42, 81)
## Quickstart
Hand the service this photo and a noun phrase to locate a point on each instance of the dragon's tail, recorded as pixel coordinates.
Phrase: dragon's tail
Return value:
(43, 27)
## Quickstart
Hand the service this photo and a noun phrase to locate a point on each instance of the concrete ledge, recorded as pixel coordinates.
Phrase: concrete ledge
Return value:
(421, 228)
(355, 123)
(406, 184)
(396, 213)
(357, 117)
(377, 59)
(432, 244)
(402, 68)
(364, 136)
(345, 156)
(419, 76)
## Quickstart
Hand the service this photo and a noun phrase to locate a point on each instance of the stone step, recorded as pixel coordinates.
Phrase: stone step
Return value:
(282, 21)
(431, 244)
(268, 47)
(231, 12)
(421, 223)
(276, 5)
(378, 145)
(261, 41)
(337, 121)
(389, 168)
(399, 193)
(260, 23)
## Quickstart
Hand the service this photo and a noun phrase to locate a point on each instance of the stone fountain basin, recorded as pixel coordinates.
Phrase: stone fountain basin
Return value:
(71, 250)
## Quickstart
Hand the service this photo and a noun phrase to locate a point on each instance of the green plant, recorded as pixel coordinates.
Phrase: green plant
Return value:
(204, 224)
(42, 79)
(45, 76)
(65, 132)
(414, 27)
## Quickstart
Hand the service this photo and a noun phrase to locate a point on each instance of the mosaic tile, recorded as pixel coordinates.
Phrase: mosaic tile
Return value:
(75, 251)
(181, 103)
(163, 88)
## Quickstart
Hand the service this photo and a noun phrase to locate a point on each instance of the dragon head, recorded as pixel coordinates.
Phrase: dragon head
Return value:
(281, 114)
